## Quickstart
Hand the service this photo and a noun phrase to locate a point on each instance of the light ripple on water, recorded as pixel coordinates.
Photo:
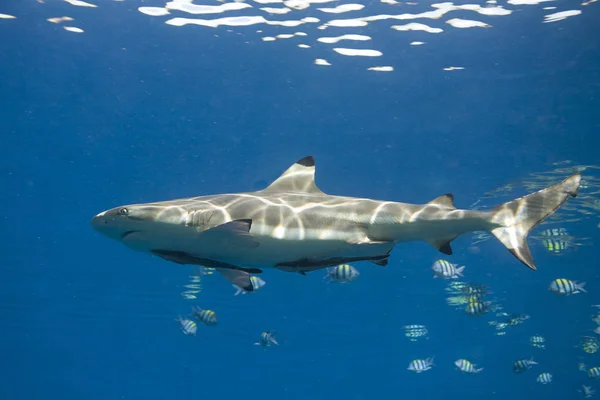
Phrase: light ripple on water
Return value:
(279, 14)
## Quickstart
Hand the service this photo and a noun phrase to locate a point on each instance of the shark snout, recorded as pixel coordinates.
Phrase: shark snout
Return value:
(99, 221)
(107, 225)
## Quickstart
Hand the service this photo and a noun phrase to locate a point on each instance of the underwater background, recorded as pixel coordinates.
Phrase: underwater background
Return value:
(124, 108)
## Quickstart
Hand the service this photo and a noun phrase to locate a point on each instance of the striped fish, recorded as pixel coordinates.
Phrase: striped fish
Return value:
(188, 326)
(342, 273)
(538, 341)
(415, 331)
(555, 240)
(266, 339)
(523, 365)
(594, 372)
(208, 317)
(446, 270)
(419, 366)
(589, 344)
(467, 366)
(566, 287)
(477, 308)
(544, 378)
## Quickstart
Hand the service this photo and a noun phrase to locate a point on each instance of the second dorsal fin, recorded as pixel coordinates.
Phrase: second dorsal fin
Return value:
(299, 178)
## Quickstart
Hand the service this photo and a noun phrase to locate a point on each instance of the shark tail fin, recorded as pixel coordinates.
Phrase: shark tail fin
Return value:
(516, 218)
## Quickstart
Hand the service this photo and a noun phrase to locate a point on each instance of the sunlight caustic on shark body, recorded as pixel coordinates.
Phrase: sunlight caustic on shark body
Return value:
(294, 226)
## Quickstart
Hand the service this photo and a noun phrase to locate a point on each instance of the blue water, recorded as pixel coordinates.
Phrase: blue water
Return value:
(133, 110)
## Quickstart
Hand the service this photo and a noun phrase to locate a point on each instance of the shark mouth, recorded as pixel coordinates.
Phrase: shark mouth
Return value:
(124, 235)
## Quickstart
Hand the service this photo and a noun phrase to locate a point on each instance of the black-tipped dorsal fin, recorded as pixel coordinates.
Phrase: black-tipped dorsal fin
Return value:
(299, 178)
(446, 200)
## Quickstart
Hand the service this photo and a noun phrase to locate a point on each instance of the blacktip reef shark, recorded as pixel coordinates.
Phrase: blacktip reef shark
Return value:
(293, 226)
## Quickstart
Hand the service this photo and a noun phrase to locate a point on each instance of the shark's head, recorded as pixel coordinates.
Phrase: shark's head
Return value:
(137, 225)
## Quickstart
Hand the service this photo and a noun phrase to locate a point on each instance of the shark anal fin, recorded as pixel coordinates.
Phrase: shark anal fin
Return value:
(446, 200)
(235, 233)
(299, 178)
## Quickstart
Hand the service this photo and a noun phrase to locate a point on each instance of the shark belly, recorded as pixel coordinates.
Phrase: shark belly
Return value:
(272, 249)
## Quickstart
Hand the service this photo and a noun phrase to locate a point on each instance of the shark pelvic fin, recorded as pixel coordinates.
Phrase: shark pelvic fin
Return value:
(299, 178)
(443, 246)
(446, 201)
(236, 233)
(382, 261)
(515, 219)
(241, 279)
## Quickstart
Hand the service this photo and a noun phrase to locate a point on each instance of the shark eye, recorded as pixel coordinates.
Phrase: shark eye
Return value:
(123, 211)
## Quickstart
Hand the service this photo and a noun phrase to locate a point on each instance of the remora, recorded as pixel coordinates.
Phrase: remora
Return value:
(293, 226)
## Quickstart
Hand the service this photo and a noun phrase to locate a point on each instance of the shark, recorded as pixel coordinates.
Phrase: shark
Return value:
(293, 226)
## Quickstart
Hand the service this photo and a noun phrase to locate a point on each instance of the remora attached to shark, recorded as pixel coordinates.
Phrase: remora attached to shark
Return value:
(293, 226)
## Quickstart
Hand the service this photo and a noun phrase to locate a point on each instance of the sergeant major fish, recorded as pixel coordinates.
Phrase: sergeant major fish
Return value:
(566, 287)
(342, 273)
(419, 366)
(466, 366)
(544, 378)
(267, 339)
(188, 326)
(523, 365)
(446, 270)
(208, 317)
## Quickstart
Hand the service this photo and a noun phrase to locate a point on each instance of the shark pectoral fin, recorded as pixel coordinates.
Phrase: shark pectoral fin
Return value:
(180, 257)
(174, 256)
(443, 245)
(235, 233)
